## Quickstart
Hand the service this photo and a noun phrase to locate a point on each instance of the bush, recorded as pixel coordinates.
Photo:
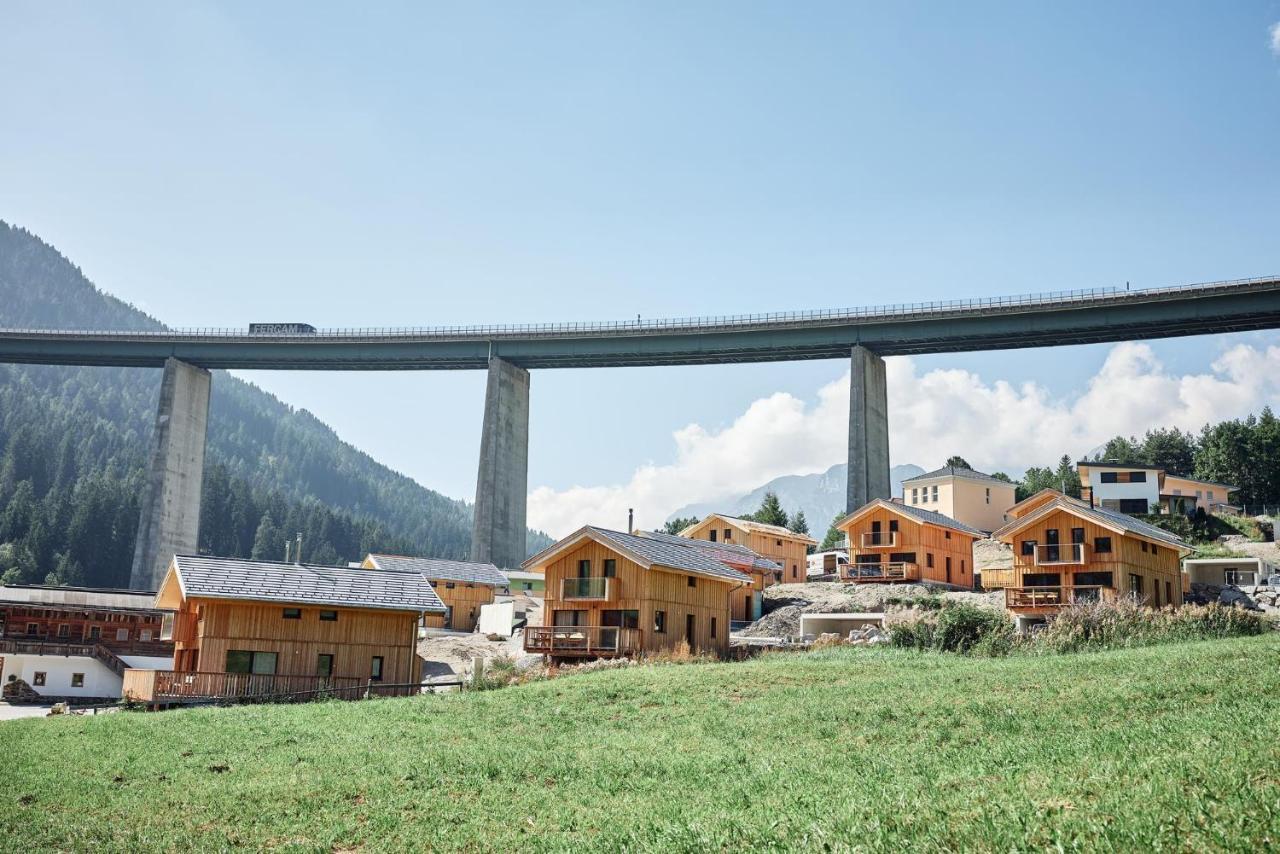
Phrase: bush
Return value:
(956, 628)
(1125, 623)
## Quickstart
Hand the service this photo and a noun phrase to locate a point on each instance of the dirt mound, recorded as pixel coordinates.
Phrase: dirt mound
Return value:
(992, 554)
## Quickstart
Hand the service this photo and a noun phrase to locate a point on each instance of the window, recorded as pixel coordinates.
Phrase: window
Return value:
(620, 619)
(1135, 584)
(77, 680)
(375, 669)
(935, 495)
(584, 569)
(1155, 549)
(1168, 593)
(95, 632)
(610, 567)
(901, 557)
(1144, 545)
(893, 526)
(660, 622)
(712, 535)
(166, 627)
(328, 616)
(1101, 545)
(64, 631)
(1110, 477)
(1210, 495)
(779, 542)
(122, 634)
(32, 628)
(448, 585)
(1077, 535)
(948, 569)
(946, 534)
(293, 613)
(713, 628)
(1137, 477)
(693, 582)
(728, 534)
(144, 635)
(38, 678)
(324, 664)
(914, 494)
(928, 559)
(570, 618)
(247, 661)
(988, 495)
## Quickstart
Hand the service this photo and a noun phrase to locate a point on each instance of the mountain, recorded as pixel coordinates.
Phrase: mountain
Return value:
(820, 496)
(74, 441)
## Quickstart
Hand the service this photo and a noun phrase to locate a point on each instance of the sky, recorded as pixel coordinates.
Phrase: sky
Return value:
(217, 164)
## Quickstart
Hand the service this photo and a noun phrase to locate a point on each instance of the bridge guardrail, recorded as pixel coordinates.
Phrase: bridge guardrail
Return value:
(917, 310)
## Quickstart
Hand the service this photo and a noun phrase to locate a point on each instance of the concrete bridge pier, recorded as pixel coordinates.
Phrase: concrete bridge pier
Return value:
(502, 486)
(169, 523)
(868, 429)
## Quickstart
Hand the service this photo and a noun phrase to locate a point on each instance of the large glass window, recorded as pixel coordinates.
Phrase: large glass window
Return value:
(248, 661)
(620, 619)
(324, 664)
(610, 568)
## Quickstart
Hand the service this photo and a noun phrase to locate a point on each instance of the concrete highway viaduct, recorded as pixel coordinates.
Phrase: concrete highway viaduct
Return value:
(170, 515)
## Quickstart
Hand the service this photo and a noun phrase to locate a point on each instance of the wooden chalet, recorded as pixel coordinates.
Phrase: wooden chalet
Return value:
(890, 542)
(245, 629)
(782, 546)
(612, 594)
(1065, 551)
(75, 642)
(463, 586)
(744, 605)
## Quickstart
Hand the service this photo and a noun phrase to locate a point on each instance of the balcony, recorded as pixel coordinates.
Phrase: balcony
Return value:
(1065, 554)
(879, 573)
(587, 589)
(583, 641)
(879, 539)
(1053, 598)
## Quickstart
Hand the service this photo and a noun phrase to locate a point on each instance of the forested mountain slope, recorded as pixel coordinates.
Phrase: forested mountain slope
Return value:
(73, 444)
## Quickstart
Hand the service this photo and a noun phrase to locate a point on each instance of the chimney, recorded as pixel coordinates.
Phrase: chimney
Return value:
(631, 520)
(297, 556)
(287, 544)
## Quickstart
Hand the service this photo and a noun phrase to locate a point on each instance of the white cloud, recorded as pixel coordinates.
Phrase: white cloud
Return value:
(996, 426)
(1275, 38)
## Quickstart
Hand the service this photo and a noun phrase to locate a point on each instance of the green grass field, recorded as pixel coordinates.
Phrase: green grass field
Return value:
(843, 748)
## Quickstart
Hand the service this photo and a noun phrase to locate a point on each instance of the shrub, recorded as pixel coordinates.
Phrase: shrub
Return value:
(956, 627)
(1125, 623)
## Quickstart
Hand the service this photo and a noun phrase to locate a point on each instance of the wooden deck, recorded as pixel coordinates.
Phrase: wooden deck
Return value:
(169, 687)
(1049, 599)
(879, 573)
(582, 641)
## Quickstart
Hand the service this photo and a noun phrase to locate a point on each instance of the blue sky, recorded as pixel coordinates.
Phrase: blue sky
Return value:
(420, 163)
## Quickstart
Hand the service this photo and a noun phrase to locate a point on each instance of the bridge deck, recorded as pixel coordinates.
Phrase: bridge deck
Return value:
(1038, 320)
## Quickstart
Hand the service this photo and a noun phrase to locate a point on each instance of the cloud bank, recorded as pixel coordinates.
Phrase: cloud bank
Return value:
(1275, 38)
(996, 426)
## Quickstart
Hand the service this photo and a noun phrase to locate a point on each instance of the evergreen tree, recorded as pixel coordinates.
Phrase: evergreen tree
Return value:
(678, 524)
(958, 462)
(834, 535)
(770, 512)
(1171, 450)
(799, 524)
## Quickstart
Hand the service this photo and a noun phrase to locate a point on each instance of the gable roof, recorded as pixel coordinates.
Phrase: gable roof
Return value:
(441, 570)
(1024, 506)
(645, 551)
(755, 527)
(299, 584)
(955, 471)
(1113, 519)
(731, 553)
(918, 514)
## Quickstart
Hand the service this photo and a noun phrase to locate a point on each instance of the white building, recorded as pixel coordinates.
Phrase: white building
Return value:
(1133, 489)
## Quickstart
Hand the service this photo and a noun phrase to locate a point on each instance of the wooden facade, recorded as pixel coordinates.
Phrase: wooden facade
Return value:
(890, 544)
(32, 615)
(786, 548)
(207, 631)
(1063, 553)
(593, 586)
(463, 587)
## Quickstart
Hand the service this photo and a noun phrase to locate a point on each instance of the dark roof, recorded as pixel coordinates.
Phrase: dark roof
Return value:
(723, 552)
(921, 514)
(758, 527)
(649, 551)
(1138, 526)
(304, 584)
(443, 570)
(1112, 518)
(954, 471)
(1112, 464)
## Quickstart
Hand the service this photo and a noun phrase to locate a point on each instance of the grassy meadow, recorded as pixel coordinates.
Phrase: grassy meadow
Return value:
(874, 749)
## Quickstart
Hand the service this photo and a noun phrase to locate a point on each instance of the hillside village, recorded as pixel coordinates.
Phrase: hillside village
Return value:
(725, 586)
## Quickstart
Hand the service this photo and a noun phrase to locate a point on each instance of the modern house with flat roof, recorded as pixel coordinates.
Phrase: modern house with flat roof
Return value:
(463, 586)
(611, 594)
(1122, 487)
(1186, 494)
(781, 545)
(252, 628)
(971, 497)
(1065, 552)
(890, 542)
(75, 642)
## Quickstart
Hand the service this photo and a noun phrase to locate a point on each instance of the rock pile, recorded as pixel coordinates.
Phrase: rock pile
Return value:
(1254, 597)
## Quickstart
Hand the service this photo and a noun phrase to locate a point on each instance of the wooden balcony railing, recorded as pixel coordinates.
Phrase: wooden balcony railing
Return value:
(164, 686)
(599, 589)
(872, 573)
(879, 539)
(1059, 554)
(581, 640)
(1035, 598)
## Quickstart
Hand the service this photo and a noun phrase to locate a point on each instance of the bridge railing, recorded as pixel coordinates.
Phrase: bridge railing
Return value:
(933, 308)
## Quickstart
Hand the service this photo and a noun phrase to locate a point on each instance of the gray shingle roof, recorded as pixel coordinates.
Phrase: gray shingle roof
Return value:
(758, 527)
(1113, 518)
(923, 515)
(443, 570)
(720, 551)
(952, 471)
(303, 584)
(674, 555)
(1138, 526)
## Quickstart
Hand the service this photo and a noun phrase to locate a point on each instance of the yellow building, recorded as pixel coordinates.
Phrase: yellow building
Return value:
(1065, 551)
(967, 496)
(1185, 494)
(782, 546)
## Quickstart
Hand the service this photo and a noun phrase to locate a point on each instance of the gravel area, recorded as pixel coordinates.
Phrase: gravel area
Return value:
(1269, 552)
(992, 554)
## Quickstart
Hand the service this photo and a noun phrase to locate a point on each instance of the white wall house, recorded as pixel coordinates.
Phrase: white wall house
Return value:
(1125, 488)
(73, 675)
